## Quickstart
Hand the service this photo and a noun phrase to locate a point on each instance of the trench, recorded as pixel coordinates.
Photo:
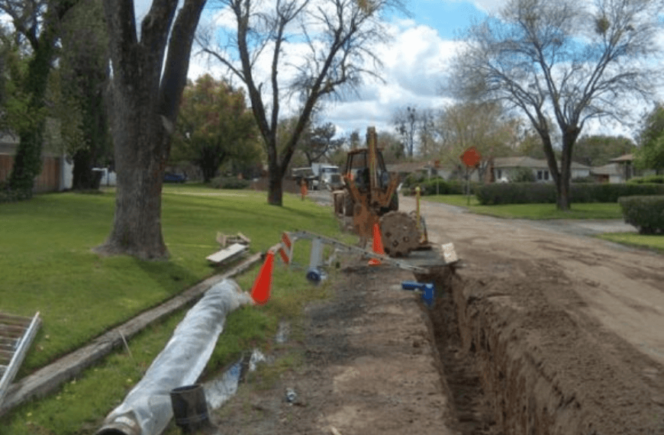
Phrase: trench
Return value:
(494, 387)
(471, 413)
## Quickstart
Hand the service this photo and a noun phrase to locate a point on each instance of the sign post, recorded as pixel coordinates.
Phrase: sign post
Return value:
(471, 158)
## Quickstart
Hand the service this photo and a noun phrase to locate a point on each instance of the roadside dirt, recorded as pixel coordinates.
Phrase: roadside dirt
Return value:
(540, 332)
(568, 331)
(369, 366)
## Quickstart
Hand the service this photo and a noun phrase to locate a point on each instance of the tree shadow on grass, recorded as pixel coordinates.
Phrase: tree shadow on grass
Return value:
(302, 213)
(170, 276)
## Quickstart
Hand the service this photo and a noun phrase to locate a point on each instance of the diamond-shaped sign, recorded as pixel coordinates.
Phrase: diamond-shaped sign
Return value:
(471, 157)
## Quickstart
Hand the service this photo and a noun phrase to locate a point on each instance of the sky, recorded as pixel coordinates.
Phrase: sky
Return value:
(414, 63)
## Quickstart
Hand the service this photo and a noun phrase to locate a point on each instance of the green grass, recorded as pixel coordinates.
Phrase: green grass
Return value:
(48, 266)
(533, 211)
(654, 242)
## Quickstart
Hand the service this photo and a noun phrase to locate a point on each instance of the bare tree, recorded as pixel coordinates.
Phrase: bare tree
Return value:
(482, 126)
(339, 36)
(146, 98)
(405, 120)
(426, 132)
(566, 60)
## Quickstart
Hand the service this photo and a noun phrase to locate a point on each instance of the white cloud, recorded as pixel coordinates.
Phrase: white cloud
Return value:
(488, 6)
(414, 61)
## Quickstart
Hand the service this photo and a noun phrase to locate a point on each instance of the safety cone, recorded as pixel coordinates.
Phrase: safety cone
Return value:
(260, 292)
(377, 245)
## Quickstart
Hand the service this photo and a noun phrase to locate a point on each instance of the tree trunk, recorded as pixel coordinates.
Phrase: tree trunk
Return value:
(146, 99)
(275, 192)
(563, 200)
(140, 143)
(27, 161)
(84, 177)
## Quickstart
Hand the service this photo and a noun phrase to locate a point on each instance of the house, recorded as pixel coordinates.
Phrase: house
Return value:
(612, 173)
(503, 166)
(625, 165)
(619, 170)
(56, 172)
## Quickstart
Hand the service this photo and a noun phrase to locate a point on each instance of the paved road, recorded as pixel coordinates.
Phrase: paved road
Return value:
(621, 287)
(576, 227)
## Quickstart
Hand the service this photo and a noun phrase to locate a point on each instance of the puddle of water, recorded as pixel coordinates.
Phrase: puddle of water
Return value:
(220, 390)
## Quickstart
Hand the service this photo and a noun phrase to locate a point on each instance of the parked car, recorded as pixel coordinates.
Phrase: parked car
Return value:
(171, 177)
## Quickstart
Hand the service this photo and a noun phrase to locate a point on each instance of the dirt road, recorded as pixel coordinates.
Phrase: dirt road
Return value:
(543, 331)
(568, 330)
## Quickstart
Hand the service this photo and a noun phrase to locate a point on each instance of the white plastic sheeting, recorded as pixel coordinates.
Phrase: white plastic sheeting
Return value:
(147, 408)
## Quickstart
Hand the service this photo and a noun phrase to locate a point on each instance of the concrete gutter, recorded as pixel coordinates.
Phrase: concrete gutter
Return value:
(47, 379)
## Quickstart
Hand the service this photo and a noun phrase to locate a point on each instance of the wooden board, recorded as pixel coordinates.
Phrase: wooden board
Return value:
(227, 253)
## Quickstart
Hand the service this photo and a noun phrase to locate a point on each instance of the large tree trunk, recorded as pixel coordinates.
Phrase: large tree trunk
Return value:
(146, 99)
(84, 177)
(27, 161)
(140, 156)
(563, 200)
(275, 192)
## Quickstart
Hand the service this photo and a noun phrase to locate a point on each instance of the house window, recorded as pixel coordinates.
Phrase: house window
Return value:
(540, 176)
(546, 175)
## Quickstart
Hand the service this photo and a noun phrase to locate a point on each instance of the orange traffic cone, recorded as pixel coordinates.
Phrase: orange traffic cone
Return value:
(377, 245)
(260, 292)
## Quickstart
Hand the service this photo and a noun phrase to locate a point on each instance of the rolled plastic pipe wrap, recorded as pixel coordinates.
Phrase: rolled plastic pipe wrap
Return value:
(147, 408)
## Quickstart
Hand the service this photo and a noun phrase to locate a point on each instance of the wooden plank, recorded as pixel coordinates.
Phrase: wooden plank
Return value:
(49, 378)
(227, 253)
(246, 240)
(9, 331)
(10, 319)
(8, 342)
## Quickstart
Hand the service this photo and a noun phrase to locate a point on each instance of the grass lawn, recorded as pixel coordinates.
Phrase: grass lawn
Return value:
(533, 211)
(654, 242)
(48, 266)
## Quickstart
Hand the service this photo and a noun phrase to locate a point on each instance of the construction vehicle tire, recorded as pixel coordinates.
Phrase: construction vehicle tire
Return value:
(399, 233)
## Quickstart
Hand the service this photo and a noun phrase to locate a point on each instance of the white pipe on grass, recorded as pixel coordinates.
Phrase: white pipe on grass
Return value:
(147, 408)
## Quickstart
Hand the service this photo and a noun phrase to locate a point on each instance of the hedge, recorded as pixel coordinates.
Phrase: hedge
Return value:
(646, 213)
(229, 183)
(8, 195)
(658, 179)
(436, 186)
(545, 193)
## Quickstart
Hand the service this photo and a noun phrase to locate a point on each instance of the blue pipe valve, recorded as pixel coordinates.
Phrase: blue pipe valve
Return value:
(427, 289)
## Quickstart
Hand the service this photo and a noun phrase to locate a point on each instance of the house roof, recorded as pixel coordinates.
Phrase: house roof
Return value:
(610, 169)
(527, 162)
(515, 162)
(623, 158)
